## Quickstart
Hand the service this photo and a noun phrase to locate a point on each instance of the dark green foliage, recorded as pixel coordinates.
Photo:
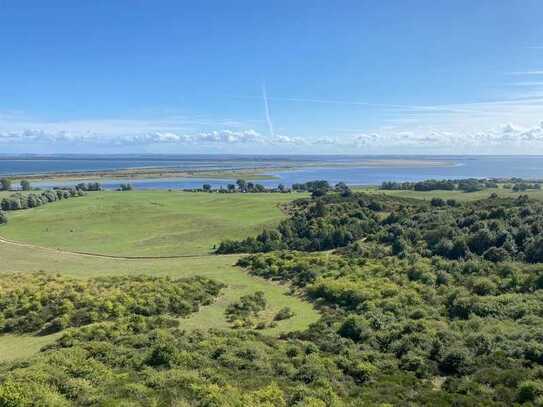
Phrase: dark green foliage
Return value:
(466, 185)
(246, 307)
(466, 322)
(125, 187)
(5, 184)
(323, 223)
(312, 186)
(89, 186)
(43, 303)
(495, 229)
(283, 313)
(25, 185)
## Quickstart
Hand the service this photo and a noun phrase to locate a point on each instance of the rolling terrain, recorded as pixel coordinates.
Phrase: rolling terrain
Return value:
(151, 224)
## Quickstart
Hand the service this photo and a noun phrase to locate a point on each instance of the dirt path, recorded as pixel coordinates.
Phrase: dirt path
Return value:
(105, 256)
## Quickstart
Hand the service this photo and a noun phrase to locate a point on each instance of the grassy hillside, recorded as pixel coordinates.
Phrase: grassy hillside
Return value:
(123, 221)
(145, 223)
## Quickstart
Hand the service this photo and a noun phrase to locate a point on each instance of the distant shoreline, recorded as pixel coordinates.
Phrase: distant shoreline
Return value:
(255, 173)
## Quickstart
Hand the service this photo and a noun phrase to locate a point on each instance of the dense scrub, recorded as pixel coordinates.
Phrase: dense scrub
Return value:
(131, 363)
(495, 229)
(323, 223)
(43, 303)
(472, 327)
(466, 185)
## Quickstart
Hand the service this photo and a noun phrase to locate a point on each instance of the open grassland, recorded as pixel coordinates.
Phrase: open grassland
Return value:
(208, 208)
(146, 223)
(458, 195)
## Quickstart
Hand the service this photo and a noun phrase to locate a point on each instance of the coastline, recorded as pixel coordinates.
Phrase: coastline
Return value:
(250, 174)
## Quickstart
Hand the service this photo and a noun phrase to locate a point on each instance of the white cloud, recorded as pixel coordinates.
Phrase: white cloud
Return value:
(249, 136)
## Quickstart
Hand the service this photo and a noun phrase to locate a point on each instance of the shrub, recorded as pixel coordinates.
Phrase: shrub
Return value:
(283, 313)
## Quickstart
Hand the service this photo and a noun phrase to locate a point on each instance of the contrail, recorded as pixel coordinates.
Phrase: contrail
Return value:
(267, 110)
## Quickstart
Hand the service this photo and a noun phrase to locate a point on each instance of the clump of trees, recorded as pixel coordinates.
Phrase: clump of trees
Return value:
(5, 184)
(248, 306)
(494, 229)
(25, 185)
(524, 186)
(243, 186)
(466, 185)
(125, 187)
(19, 200)
(42, 303)
(89, 186)
(321, 223)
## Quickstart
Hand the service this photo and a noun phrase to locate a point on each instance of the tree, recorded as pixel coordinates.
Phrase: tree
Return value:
(125, 187)
(242, 185)
(231, 187)
(206, 187)
(5, 183)
(25, 185)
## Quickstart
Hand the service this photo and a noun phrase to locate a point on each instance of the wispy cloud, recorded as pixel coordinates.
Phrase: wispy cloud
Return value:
(267, 110)
(527, 73)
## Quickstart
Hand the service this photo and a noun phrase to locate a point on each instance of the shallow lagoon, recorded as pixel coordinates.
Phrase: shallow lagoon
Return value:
(335, 169)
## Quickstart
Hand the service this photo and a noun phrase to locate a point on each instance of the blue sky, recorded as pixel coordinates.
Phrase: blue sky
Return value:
(360, 77)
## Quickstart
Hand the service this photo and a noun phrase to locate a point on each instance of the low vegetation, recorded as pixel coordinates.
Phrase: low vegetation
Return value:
(42, 304)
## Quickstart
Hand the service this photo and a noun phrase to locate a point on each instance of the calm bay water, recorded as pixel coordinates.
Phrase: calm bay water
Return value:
(458, 167)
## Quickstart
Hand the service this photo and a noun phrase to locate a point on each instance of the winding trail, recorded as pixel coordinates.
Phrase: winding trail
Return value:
(107, 256)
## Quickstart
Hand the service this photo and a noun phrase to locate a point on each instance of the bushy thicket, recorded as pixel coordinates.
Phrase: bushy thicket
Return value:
(44, 303)
(89, 186)
(497, 229)
(470, 327)
(322, 223)
(466, 185)
(136, 363)
(247, 306)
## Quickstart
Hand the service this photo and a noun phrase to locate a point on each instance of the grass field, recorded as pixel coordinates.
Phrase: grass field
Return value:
(458, 195)
(207, 208)
(145, 223)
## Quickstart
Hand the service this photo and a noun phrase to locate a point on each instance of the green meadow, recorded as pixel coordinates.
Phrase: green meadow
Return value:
(152, 223)
(146, 223)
